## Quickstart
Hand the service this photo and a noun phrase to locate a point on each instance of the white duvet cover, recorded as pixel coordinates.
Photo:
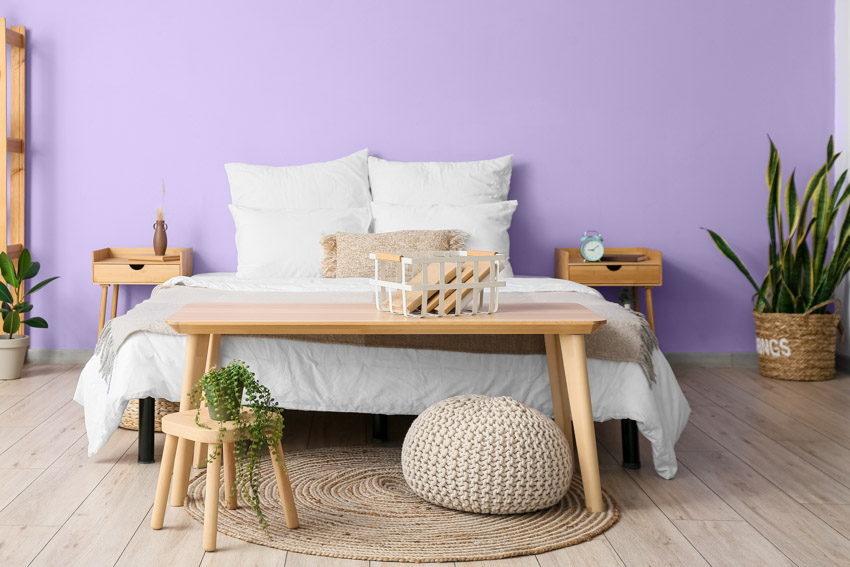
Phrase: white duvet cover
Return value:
(328, 377)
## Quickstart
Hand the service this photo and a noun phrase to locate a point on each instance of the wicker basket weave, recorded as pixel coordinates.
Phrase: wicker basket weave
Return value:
(795, 346)
(162, 407)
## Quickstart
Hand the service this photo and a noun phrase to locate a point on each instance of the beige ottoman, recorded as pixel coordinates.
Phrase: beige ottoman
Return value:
(486, 455)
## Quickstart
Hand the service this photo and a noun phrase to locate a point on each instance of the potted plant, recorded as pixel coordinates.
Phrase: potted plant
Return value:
(222, 390)
(13, 349)
(795, 334)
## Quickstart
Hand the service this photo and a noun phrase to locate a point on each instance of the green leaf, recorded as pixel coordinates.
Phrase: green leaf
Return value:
(35, 322)
(32, 272)
(23, 307)
(24, 264)
(6, 295)
(7, 269)
(41, 284)
(11, 323)
(727, 251)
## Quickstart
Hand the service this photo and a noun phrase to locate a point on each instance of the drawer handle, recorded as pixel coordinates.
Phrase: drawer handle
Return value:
(613, 268)
(136, 266)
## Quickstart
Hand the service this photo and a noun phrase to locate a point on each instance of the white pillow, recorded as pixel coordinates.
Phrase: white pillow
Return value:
(339, 184)
(444, 183)
(487, 225)
(285, 243)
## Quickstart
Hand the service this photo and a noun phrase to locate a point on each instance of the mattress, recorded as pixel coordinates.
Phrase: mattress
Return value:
(343, 378)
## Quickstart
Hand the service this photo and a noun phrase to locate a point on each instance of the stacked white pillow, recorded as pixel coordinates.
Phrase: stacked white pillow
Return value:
(281, 213)
(470, 196)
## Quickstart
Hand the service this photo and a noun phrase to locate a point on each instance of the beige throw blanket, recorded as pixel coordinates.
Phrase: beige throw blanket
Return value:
(626, 337)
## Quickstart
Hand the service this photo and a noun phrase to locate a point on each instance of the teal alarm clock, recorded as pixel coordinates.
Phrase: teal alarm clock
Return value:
(591, 247)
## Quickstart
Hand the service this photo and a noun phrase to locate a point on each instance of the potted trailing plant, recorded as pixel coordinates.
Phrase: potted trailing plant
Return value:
(222, 390)
(13, 349)
(795, 333)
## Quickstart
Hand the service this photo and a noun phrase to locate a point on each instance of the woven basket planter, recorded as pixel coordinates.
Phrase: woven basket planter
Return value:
(162, 407)
(795, 346)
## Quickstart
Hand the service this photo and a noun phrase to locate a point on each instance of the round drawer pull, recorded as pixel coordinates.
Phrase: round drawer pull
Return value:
(614, 268)
(136, 266)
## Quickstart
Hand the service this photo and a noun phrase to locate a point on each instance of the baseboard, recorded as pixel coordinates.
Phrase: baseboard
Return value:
(59, 355)
(714, 359)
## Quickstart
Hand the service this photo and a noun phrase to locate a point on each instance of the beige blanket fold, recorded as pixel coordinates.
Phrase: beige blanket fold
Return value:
(626, 337)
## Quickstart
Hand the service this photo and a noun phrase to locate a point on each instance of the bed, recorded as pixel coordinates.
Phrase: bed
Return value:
(344, 378)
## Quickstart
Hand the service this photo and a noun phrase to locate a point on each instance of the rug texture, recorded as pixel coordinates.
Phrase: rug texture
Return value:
(353, 503)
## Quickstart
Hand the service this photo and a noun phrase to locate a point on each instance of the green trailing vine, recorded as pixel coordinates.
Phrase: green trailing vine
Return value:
(222, 389)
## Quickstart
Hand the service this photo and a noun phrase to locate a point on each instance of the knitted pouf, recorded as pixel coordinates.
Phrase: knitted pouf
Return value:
(486, 455)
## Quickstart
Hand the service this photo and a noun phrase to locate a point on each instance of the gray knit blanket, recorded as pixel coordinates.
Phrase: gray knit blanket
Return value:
(626, 337)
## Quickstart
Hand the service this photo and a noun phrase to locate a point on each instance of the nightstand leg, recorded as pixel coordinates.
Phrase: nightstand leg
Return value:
(649, 314)
(104, 289)
(636, 299)
(114, 300)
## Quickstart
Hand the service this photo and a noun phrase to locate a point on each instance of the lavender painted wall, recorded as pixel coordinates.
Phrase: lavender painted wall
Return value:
(645, 120)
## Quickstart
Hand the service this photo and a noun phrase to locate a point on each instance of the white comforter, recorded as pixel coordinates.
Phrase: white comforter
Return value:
(327, 377)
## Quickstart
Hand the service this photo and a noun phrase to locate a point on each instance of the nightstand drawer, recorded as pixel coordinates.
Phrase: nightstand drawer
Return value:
(608, 274)
(134, 273)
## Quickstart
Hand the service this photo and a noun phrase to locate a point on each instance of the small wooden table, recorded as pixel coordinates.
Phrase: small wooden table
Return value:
(569, 265)
(562, 324)
(133, 266)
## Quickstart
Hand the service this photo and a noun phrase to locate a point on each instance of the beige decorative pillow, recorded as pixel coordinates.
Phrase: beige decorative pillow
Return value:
(347, 253)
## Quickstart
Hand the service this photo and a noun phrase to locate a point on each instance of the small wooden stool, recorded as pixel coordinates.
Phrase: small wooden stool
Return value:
(181, 425)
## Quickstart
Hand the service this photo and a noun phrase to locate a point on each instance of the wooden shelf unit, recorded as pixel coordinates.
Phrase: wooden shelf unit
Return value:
(14, 194)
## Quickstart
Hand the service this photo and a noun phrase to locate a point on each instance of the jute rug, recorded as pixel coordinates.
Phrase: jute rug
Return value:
(354, 503)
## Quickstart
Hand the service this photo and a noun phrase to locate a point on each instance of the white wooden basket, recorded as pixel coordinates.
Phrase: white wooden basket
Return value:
(403, 282)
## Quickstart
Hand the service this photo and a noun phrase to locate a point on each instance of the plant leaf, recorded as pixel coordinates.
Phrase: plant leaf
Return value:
(41, 284)
(32, 272)
(24, 264)
(727, 251)
(35, 322)
(5, 294)
(11, 323)
(7, 269)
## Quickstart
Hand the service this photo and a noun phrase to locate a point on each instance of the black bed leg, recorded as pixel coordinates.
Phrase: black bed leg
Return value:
(631, 446)
(380, 428)
(146, 430)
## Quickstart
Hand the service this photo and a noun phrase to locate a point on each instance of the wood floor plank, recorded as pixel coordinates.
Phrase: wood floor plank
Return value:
(231, 551)
(45, 443)
(33, 377)
(54, 496)
(522, 561)
(9, 435)
(694, 439)
(97, 533)
(828, 456)
(594, 553)
(177, 543)
(20, 544)
(7, 401)
(787, 524)
(15, 481)
(398, 564)
(643, 535)
(836, 515)
(44, 402)
(797, 477)
(302, 560)
(732, 544)
(828, 422)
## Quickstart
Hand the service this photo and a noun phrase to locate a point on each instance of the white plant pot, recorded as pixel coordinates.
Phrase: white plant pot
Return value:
(12, 354)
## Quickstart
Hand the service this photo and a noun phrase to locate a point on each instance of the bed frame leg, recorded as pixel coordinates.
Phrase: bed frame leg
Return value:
(146, 430)
(380, 428)
(631, 445)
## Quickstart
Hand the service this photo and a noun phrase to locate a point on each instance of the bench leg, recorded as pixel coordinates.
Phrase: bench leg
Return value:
(380, 428)
(211, 503)
(165, 470)
(284, 487)
(146, 429)
(631, 444)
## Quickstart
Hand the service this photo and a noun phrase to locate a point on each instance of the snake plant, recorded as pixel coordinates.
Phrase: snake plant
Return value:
(802, 273)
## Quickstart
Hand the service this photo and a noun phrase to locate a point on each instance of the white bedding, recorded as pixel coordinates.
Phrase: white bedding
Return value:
(328, 377)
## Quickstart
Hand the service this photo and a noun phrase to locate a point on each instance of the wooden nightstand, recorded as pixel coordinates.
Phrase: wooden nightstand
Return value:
(569, 265)
(114, 266)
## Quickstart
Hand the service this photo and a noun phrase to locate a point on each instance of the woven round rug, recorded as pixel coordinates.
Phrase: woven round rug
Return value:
(353, 503)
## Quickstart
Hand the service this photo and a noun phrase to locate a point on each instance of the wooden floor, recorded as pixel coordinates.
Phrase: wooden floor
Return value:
(764, 479)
